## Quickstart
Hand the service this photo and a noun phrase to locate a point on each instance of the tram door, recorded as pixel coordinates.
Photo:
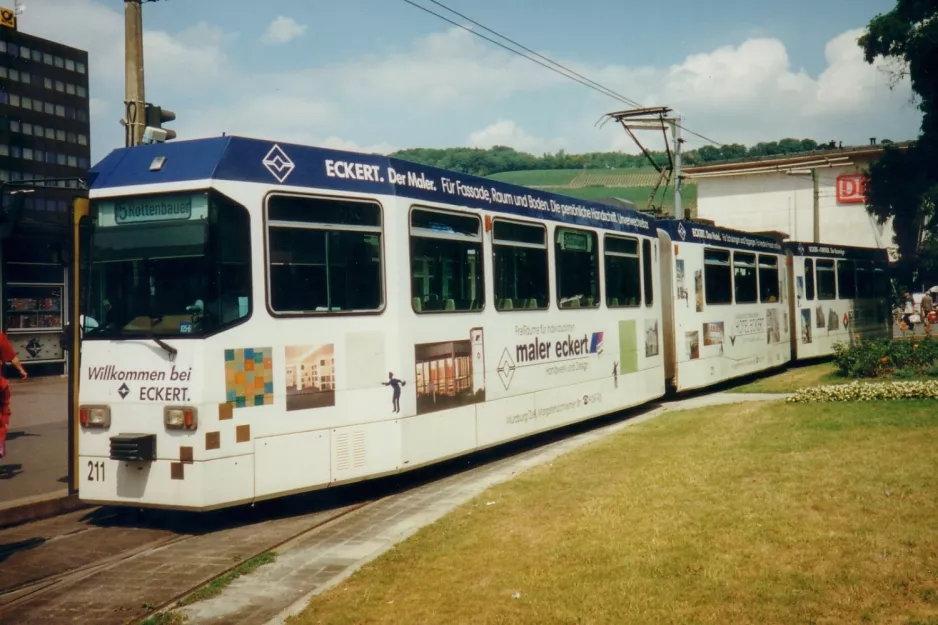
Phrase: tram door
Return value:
(78, 276)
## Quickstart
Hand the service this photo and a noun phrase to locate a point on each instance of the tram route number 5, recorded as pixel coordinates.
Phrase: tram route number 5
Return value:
(95, 471)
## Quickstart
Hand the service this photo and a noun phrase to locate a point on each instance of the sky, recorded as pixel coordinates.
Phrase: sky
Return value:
(382, 75)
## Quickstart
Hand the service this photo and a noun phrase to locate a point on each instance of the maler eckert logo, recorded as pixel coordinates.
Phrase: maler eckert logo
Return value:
(682, 232)
(278, 163)
(596, 344)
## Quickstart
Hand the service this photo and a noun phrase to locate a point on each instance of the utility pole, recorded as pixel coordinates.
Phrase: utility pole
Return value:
(817, 205)
(134, 97)
(676, 134)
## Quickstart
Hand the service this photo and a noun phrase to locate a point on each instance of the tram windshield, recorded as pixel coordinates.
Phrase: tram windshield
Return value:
(167, 265)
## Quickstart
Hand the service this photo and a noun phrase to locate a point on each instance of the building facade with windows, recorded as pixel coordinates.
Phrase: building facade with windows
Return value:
(776, 194)
(44, 134)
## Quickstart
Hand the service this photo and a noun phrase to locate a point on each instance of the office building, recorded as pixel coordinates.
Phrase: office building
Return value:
(44, 134)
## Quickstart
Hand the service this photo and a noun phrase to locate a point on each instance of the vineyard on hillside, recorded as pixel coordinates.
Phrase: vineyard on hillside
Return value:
(634, 184)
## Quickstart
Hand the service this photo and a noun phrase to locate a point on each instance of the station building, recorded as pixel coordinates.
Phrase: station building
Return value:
(776, 194)
(44, 134)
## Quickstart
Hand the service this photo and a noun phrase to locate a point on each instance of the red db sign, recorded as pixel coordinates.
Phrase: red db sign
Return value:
(851, 189)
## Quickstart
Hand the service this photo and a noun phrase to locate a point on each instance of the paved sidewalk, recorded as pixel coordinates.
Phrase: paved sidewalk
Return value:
(37, 441)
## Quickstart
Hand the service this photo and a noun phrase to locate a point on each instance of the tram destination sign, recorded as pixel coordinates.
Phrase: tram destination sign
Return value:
(145, 209)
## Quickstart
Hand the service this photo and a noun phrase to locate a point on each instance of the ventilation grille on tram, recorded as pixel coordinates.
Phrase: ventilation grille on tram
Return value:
(350, 450)
(133, 447)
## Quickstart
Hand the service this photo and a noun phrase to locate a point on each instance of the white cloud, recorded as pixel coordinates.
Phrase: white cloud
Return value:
(336, 143)
(444, 69)
(447, 87)
(262, 115)
(849, 81)
(174, 63)
(283, 30)
(507, 133)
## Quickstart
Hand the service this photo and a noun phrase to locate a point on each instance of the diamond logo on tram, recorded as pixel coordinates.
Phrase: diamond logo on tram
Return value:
(278, 163)
(506, 369)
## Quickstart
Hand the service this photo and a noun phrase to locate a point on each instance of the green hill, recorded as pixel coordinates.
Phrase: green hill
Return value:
(538, 177)
(633, 183)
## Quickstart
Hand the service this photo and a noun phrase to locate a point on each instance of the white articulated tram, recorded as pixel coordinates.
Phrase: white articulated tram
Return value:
(839, 294)
(727, 316)
(273, 319)
(267, 319)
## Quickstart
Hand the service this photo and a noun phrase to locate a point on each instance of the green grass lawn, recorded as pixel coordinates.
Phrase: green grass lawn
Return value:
(561, 177)
(795, 378)
(760, 513)
(639, 195)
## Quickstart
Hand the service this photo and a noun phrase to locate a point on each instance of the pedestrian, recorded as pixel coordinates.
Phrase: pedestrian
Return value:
(927, 306)
(909, 311)
(7, 355)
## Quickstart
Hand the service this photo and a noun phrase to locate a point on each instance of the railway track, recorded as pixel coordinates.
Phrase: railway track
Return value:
(117, 566)
(107, 566)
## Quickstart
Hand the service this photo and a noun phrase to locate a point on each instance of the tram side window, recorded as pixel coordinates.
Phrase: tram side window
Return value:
(768, 279)
(718, 277)
(623, 279)
(846, 279)
(808, 278)
(520, 266)
(232, 280)
(647, 259)
(744, 278)
(826, 283)
(577, 268)
(446, 261)
(325, 255)
(865, 285)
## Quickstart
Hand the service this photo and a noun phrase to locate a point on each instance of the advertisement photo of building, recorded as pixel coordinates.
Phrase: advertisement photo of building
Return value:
(444, 376)
(310, 376)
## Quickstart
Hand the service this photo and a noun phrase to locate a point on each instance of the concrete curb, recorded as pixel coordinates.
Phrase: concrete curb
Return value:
(40, 507)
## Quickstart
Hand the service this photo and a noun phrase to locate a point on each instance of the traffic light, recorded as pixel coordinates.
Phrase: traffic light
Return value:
(155, 117)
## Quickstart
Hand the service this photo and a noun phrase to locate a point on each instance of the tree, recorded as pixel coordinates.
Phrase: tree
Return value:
(501, 158)
(903, 184)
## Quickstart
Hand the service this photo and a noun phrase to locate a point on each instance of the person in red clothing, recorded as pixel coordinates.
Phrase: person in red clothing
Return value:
(7, 355)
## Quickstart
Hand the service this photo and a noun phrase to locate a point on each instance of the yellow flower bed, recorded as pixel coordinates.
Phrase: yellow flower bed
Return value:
(866, 391)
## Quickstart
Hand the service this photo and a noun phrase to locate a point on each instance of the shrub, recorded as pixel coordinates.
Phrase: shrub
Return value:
(866, 391)
(903, 358)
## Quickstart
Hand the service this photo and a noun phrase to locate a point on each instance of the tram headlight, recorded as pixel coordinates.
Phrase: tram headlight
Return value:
(181, 418)
(94, 416)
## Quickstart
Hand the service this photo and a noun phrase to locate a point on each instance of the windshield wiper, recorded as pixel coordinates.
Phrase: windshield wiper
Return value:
(172, 351)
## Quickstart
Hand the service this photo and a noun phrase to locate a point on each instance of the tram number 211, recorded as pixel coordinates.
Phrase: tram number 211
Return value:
(95, 471)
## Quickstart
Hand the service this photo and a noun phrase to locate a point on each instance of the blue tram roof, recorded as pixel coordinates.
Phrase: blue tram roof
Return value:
(683, 231)
(284, 164)
(826, 250)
